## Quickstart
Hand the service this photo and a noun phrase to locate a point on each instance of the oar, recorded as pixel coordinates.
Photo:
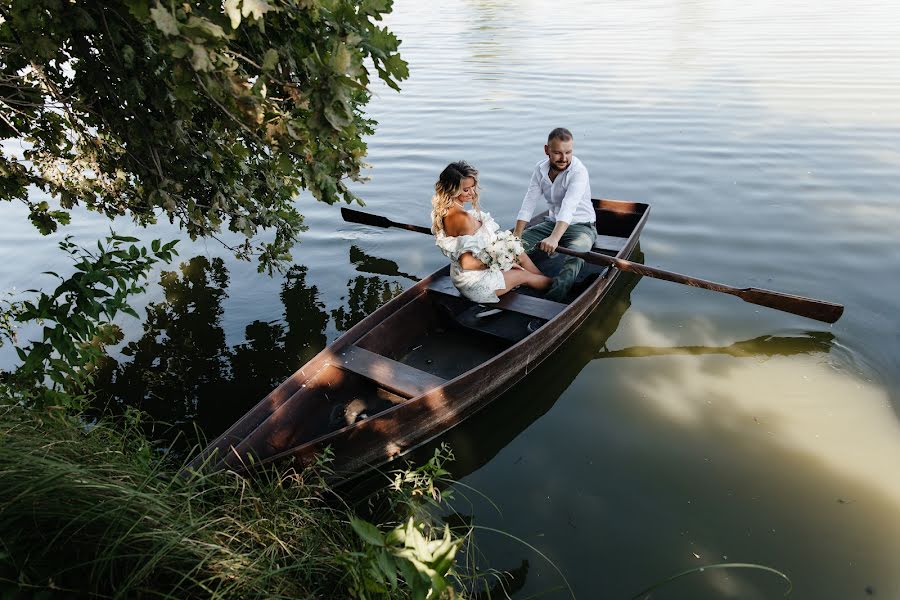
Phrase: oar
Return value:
(358, 216)
(819, 310)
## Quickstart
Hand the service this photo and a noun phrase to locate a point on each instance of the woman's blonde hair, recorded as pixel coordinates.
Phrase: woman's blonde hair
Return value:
(447, 188)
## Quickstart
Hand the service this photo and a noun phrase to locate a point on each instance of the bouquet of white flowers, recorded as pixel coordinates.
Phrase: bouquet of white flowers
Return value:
(502, 253)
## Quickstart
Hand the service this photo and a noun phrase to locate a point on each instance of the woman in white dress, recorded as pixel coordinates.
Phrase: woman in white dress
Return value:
(463, 234)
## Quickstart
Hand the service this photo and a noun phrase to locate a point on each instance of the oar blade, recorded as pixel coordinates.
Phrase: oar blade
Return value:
(364, 218)
(819, 310)
(358, 216)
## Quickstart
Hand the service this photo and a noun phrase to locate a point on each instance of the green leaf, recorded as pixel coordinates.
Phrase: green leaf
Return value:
(374, 7)
(387, 567)
(233, 10)
(396, 66)
(57, 377)
(139, 8)
(338, 115)
(180, 49)
(285, 163)
(130, 311)
(128, 55)
(255, 9)
(205, 26)
(44, 47)
(200, 58)
(270, 59)
(368, 532)
(164, 20)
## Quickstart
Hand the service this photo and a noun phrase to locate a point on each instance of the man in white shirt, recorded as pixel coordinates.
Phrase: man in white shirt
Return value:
(562, 180)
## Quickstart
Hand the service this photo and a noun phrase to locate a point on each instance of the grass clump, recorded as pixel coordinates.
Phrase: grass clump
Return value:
(94, 511)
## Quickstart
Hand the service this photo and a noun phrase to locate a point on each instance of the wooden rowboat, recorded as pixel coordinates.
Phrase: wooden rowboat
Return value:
(417, 366)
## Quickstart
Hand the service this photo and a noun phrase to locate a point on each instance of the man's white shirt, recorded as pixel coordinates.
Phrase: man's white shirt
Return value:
(569, 197)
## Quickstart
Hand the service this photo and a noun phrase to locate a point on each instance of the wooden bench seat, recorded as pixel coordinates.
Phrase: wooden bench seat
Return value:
(392, 375)
(512, 301)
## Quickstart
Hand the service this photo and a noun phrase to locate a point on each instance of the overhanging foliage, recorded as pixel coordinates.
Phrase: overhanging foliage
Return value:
(210, 114)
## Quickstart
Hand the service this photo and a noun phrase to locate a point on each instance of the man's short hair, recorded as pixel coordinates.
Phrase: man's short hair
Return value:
(560, 133)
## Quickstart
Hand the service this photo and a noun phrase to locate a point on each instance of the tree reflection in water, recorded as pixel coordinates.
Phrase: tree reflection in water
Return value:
(181, 358)
(366, 295)
(271, 352)
(181, 369)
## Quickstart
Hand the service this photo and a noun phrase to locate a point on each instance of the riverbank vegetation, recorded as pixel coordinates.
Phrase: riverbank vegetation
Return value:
(90, 506)
(91, 509)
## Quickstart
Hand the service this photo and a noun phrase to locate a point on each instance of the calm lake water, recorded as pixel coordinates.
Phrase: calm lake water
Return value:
(679, 427)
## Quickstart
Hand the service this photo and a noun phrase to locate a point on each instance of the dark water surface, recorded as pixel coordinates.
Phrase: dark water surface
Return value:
(679, 427)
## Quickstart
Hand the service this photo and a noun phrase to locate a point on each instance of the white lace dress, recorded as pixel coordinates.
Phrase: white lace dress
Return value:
(478, 285)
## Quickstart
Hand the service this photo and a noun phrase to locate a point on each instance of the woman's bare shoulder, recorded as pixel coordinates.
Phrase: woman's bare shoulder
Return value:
(458, 223)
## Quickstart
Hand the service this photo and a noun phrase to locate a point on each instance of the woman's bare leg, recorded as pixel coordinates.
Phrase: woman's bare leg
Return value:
(517, 277)
(528, 264)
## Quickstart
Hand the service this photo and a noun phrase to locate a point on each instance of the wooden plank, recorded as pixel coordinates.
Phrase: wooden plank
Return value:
(392, 375)
(512, 301)
(529, 305)
(610, 242)
(508, 326)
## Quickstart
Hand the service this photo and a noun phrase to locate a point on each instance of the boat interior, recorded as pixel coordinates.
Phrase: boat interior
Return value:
(436, 337)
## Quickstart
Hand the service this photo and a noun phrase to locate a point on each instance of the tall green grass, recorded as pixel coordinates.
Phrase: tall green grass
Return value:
(96, 512)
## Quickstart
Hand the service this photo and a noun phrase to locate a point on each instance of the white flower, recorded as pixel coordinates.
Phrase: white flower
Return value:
(503, 251)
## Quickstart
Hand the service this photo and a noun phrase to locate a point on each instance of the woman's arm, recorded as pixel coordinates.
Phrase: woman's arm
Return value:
(460, 223)
(470, 263)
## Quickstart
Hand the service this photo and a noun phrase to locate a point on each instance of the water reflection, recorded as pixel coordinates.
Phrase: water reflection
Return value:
(181, 370)
(271, 351)
(487, 33)
(366, 295)
(765, 346)
(182, 357)
(506, 583)
(365, 263)
(755, 457)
